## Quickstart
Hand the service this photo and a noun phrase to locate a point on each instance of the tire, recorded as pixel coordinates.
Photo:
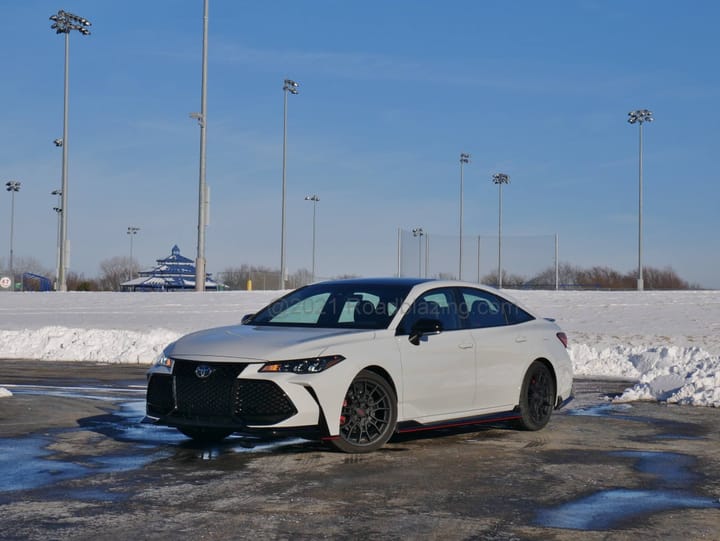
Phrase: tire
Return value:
(205, 435)
(368, 416)
(537, 397)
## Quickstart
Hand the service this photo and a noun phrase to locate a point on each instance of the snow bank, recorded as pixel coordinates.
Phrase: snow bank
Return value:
(669, 342)
(100, 345)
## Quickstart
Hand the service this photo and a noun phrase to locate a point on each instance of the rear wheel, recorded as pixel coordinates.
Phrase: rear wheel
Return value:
(537, 397)
(368, 414)
(204, 434)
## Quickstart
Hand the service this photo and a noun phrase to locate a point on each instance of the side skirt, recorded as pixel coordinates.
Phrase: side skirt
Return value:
(407, 427)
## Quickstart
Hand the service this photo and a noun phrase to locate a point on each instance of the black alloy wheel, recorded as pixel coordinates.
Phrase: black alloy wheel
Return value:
(368, 416)
(537, 397)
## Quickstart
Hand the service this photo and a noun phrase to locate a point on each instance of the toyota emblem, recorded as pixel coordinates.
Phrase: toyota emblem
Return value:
(204, 371)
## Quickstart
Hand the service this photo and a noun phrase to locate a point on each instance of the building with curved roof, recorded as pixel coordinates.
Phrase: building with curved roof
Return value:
(172, 273)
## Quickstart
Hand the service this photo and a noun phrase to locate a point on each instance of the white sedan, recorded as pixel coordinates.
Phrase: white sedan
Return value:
(355, 361)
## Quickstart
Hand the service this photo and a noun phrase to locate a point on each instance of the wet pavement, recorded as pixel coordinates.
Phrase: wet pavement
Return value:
(77, 463)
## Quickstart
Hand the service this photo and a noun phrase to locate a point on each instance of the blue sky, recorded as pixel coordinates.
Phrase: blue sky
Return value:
(391, 93)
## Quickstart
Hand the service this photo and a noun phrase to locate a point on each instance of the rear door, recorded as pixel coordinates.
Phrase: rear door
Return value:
(503, 346)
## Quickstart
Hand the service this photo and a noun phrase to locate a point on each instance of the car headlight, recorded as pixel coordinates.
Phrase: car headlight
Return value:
(164, 361)
(303, 366)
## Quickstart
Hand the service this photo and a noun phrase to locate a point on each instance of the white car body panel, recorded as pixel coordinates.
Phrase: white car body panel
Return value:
(428, 392)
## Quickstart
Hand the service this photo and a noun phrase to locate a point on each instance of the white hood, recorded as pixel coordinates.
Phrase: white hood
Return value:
(261, 343)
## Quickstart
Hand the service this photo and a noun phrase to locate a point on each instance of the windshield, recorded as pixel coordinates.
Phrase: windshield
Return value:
(335, 305)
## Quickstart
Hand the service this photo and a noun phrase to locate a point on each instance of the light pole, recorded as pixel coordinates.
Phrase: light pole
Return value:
(418, 232)
(202, 188)
(464, 158)
(12, 186)
(640, 116)
(500, 179)
(64, 23)
(58, 211)
(292, 87)
(314, 198)
(132, 231)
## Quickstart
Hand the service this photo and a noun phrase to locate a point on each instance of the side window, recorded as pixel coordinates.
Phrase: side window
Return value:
(483, 309)
(437, 304)
(514, 314)
(357, 306)
(487, 310)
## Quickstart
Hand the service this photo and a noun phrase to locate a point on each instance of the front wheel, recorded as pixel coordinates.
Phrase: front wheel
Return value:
(368, 416)
(537, 397)
(205, 435)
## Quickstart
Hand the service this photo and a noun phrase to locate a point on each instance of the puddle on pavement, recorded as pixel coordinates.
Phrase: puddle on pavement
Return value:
(608, 509)
(600, 410)
(29, 462)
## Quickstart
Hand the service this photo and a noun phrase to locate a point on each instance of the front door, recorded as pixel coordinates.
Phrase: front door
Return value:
(439, 376)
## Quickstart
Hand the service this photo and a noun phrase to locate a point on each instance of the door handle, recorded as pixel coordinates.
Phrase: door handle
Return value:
(466, 346)
(520, 339)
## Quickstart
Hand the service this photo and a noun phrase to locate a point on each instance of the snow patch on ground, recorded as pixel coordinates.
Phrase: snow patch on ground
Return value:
(669, 342)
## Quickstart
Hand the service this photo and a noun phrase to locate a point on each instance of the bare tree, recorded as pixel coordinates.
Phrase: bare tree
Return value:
(77, 282)
(510, 281)
(115, 271)
(30, 264)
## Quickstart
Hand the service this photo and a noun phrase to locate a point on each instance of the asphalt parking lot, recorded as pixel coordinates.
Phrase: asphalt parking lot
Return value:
(75, 463)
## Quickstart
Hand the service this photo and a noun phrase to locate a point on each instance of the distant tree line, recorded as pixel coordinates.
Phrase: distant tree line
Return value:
(260, 277)
(116, 270)
(598, 277)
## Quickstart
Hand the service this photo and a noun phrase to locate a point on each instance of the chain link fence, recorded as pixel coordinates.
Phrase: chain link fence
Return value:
(525, 260)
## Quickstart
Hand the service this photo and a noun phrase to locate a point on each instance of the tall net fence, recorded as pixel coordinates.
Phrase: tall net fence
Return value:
(526, 260)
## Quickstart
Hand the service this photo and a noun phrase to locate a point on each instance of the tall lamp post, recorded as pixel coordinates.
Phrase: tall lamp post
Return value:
(418, 232)
(639, 117)
(464, 158)
(64, 23)
(292, 87)
(132, 231)
(58, 211)
(12, 186)
(202, 189)
(500, 179)
(314, 198)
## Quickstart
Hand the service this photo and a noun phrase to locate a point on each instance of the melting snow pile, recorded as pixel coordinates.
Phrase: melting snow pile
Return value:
(668, 342)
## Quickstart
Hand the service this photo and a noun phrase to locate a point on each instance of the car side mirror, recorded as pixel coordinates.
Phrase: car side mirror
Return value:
(424, 327)
(246, 318)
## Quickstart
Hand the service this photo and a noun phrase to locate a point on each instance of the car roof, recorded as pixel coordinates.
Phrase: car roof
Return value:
(431, 283)
(381, 281)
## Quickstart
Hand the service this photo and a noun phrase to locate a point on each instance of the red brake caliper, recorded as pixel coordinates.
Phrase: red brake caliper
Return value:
(342, 417)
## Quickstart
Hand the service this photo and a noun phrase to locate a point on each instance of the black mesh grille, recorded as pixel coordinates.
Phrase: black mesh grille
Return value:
(211, 396)
(260, 402)
(159, 395)
(220, 398)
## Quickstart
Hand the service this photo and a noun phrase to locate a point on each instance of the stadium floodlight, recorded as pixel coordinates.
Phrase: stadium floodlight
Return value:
(132, 231)
(314, 198)
(289, 86)
(201, 117)
(464, 158)
(64, 23)
(58, 211)
(418, 232)
(500, 179)
(639, 117)
(12, 186)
